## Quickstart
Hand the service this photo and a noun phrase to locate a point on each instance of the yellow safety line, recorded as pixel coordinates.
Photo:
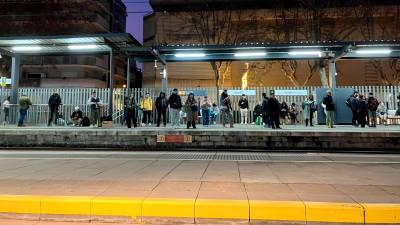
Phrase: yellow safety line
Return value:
(252, 210)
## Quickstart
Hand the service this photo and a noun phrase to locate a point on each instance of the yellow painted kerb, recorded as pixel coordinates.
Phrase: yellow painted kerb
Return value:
(277, 210)
(203, 208)
(382, 213)
(334, 212)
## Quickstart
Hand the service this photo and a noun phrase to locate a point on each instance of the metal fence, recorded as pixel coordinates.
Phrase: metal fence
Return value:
(71, 97)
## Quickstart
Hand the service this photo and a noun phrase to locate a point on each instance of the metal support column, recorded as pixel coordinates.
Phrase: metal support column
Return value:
(111, 84)
(15, 73)
(165, 79)
(128, 76)
(332, 74)
(332, 77)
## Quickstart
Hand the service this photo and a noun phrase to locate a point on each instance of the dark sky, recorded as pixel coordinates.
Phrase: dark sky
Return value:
(136, 10)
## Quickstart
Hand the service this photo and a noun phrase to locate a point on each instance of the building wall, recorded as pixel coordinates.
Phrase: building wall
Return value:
(265, 25)
(72, 17)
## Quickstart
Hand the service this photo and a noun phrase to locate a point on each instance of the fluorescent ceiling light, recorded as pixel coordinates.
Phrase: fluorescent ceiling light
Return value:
(26, 48)
(250, 54)
(373, 51)
(306, 53)
(82, 47)
(190, 55)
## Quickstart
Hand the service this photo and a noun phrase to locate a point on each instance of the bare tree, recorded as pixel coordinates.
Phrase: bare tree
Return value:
(212, 26)
(373, 27)
(321, 23)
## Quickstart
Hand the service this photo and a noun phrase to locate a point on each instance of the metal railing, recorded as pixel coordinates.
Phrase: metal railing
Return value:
(71, 97)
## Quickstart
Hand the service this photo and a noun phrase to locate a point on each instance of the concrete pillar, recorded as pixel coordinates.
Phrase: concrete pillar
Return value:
(165, 79)
(111, 84)
(15, 74)
(128, 76)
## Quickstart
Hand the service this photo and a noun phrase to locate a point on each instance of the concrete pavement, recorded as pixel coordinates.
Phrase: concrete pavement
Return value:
(201, 187)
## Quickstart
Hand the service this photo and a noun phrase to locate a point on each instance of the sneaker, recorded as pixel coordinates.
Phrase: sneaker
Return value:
(245, 123)
(241, 123)
(143, 125)
(253, 123)
(149, 124)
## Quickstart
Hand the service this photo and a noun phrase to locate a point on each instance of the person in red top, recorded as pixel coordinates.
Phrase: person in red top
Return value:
(372, 105)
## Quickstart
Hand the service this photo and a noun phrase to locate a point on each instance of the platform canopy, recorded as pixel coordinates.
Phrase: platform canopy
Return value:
(279, 51)
(66, 44)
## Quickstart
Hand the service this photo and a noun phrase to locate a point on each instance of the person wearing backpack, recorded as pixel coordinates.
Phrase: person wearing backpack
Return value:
(362, 110)
(372, 104)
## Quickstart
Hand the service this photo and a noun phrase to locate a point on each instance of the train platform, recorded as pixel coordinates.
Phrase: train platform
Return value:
(202, 187)
(239, 138)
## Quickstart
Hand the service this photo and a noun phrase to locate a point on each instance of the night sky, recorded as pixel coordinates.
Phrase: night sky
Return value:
(136, 10)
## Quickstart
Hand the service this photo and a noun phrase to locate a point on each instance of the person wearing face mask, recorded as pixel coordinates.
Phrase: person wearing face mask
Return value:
(244, 109)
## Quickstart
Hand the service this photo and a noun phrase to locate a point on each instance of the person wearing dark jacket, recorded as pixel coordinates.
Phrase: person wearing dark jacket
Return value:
(191, 109)
(330, 108)
(362, 110)
(258, 112)
(284, 115)
(77, 116)
(161, 106)
(54, 104)
(226, 109)
(352, 103)
(274, 111)
(372, 105)
(130, 106)
(175, 104)
(266, 119)
(244, 109)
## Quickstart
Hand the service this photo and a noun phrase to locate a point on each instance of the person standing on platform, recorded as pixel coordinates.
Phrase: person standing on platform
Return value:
(191, 109)
(175, 104)
(95, 104)
(226, 109)
(147, 105)
(54, 105)
(266, 119)
(330, 108)
(274, 111)
(131, 106)
(161, 106)
(244, 109)
(205, 112)
(6, 110)
(309, 107)
(362, 110)
(24, 104)
(352, 103)
(372, 104)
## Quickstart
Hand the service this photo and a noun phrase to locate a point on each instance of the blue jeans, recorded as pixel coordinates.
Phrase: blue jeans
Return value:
(206, 116)
(22, 115)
